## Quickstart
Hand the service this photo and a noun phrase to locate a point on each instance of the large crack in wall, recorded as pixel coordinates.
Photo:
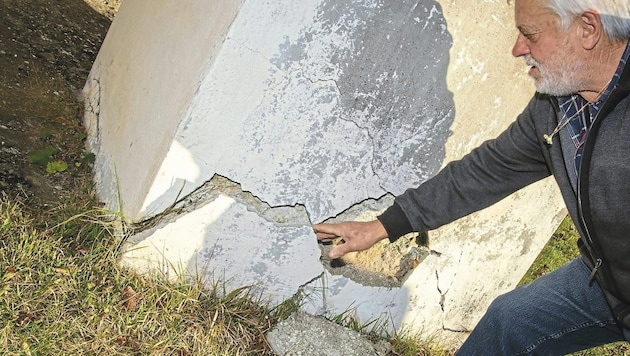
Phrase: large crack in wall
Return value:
(219, 185)
(384, 265)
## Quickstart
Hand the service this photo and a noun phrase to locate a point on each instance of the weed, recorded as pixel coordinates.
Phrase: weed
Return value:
(53, 167)
(41, 156)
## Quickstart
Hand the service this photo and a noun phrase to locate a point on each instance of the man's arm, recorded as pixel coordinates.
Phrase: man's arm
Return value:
(489, 173)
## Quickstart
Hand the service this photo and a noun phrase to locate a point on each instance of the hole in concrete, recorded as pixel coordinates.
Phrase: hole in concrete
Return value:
(385, 264)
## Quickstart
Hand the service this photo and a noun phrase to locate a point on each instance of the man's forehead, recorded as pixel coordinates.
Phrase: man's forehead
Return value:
(532, 14)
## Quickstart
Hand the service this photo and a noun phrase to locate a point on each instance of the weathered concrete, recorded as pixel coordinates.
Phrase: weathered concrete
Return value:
(313, 108)
(303, 334)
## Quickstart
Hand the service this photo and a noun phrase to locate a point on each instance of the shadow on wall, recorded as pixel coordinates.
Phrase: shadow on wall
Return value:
(391, 82)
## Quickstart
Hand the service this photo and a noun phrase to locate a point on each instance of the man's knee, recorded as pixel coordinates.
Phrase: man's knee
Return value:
(505, 309)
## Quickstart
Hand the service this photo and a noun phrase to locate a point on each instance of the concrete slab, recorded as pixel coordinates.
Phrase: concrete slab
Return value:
(310, 109)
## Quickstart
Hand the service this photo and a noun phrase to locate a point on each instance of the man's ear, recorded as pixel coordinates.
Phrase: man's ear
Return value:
(590, 29)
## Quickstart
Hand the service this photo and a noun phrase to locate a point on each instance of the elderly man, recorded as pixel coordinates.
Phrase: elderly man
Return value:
(576, 128)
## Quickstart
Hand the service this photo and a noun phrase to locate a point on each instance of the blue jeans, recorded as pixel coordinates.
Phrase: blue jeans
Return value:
(558, 313)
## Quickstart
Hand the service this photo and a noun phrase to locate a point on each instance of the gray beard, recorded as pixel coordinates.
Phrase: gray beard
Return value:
(555, 83)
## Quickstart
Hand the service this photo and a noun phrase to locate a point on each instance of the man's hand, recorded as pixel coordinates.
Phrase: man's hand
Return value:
(355, 236)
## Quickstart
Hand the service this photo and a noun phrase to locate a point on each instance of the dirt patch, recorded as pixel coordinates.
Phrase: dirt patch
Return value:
(47, 48)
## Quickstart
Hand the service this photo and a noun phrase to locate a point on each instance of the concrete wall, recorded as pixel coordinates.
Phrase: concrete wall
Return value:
(141, 86)
(262, 118)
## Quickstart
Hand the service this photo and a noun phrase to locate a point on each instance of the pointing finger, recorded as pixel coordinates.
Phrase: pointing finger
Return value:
(326, 236)
(326, 231)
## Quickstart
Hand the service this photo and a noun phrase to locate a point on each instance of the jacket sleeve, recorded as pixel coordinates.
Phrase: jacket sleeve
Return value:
(486, 175)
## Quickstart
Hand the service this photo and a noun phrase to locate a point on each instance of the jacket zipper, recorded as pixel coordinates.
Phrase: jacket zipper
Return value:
(584, 207)
(588, 243)
(598, 263)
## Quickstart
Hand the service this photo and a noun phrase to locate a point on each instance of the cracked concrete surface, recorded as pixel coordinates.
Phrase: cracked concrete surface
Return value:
(308, 111)
(341, 108)
(385, 265)
(200, 239)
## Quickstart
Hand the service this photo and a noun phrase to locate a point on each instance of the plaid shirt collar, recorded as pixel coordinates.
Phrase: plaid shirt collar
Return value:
(577, 101)
(572, 106)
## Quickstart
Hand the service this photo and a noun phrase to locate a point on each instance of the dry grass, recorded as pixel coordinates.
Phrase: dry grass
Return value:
(62, 292)
(414, 344)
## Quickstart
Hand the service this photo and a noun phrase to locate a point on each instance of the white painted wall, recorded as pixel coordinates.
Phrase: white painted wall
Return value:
(312, 106)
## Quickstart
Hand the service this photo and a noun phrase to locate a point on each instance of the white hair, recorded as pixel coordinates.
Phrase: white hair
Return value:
(615, 14)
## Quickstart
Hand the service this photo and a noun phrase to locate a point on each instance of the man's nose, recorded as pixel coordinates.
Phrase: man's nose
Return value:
(520, 47)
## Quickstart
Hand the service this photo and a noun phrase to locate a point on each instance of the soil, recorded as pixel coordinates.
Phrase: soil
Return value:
(47, 48)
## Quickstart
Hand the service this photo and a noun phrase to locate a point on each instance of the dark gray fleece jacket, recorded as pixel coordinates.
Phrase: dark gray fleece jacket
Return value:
(520, 156)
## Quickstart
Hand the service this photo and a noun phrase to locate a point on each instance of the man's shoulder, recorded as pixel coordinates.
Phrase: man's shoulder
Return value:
(544, 101)
(541, 107)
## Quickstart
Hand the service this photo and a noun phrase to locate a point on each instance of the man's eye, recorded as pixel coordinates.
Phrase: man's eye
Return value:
(531, 36)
